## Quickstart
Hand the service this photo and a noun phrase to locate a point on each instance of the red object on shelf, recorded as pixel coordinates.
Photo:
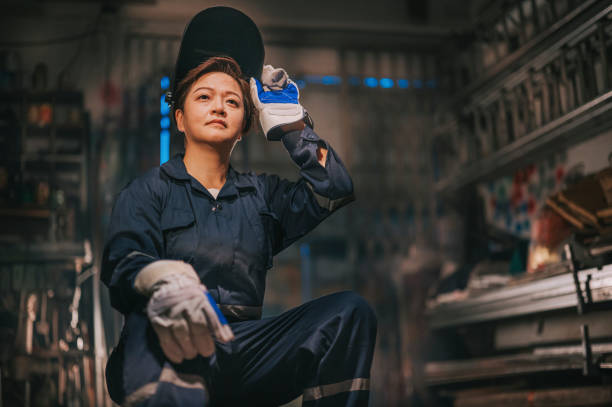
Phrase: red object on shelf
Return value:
(45, 114)
(548, 232)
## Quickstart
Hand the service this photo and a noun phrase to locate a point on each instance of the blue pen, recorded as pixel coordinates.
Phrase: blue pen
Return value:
(216, 308)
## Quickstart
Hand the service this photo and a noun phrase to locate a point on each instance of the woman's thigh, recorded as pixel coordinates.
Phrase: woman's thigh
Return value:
(274, 359)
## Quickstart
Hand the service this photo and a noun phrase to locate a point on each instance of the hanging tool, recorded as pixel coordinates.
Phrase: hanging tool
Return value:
(42, 326)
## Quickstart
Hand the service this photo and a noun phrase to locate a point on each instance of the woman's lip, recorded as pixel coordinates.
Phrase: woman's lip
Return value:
(221, 122)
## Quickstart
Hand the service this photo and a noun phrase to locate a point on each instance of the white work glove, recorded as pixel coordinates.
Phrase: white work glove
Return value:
(276, 98)
(181, 310)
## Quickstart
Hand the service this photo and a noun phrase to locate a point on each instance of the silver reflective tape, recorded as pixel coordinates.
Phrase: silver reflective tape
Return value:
(241, 311)
(145, 392)
(137, 253)
(327, 390)
(330, 204)
(168, 375)
(185, 380)
(337, 203)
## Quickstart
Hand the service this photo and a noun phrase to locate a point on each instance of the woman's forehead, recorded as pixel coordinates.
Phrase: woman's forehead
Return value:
(217, 81)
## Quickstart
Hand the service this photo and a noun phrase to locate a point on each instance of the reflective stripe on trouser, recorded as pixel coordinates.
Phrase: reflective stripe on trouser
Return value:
(322, 349)
(137, 373)
(190, 386)
(328, 390)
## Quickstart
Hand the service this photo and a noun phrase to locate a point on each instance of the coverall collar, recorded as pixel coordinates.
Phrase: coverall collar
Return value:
(175, 168)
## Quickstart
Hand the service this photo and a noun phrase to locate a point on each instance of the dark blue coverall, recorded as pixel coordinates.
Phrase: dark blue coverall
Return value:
(322, 349)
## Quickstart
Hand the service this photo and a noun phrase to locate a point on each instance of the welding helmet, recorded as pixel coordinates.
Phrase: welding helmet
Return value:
(219, 31)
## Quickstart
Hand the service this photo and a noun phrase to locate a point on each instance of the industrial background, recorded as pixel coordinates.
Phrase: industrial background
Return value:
(479, 137)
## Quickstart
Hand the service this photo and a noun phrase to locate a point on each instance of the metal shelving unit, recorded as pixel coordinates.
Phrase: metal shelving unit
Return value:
(548, 294)
(45, 254)
(46, 162)
(552, 92)
(537, 361)
(549, 91)
(587, 120)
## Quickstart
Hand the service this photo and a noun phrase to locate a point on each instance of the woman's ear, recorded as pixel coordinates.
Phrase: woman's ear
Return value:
(178, 117)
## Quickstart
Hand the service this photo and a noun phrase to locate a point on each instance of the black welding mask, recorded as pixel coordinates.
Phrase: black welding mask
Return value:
(219, 31)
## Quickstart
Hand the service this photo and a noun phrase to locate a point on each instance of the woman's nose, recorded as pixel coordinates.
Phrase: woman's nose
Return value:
(218, 106)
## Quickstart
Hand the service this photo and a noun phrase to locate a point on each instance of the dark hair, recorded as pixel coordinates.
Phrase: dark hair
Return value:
(225, 65)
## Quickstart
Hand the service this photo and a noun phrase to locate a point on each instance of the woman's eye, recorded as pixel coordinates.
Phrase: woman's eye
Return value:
(234, 102)
(203, 97)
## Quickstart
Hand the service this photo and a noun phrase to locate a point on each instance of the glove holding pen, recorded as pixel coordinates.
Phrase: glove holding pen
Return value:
(181, 311)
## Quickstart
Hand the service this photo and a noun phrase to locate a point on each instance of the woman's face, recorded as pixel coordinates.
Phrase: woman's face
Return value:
(213, 111)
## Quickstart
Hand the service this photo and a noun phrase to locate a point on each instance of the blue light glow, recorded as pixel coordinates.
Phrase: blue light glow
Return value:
(403, 83)
(164, 146)
(313, 79)
(165, 82)
(331, 80)
(432, 84)
(164, 109)
(355, 81)
(386, 83)
(370, 82)
(165, 122)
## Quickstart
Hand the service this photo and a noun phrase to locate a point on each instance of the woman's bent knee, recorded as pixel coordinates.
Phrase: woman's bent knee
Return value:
(355, 306)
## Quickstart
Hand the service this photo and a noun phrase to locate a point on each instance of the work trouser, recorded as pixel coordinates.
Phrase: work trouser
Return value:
(322, 350)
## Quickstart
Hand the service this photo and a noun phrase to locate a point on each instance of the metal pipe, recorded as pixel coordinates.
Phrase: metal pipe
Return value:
(553, 293)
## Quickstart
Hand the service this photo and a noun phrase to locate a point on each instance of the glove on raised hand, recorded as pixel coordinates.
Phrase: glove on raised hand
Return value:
(277, 100)
(274, 78)
(181, 310)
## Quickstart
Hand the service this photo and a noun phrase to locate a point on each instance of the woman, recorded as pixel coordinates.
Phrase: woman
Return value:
(194, 233)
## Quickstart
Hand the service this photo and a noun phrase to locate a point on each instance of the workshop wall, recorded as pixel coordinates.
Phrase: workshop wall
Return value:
(396, 87)
(117, 56)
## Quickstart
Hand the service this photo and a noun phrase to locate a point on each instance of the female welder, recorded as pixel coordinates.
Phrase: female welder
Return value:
(194, 233)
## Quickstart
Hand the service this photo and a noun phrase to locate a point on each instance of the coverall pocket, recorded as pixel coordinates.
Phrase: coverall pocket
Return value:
(180, 234)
